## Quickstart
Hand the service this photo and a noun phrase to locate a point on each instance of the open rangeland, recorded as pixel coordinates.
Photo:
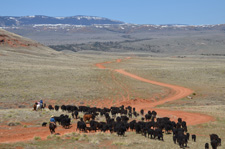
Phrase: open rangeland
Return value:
(104, 80)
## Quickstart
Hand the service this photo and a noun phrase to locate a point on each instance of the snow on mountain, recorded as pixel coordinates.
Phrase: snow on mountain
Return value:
(40, 19)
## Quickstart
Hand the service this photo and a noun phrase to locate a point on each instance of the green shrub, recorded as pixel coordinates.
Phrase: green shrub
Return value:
(75, 138)
(37, 138)
(58, 137)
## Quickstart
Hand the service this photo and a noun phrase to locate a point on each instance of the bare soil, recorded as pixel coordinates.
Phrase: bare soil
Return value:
(19, 133)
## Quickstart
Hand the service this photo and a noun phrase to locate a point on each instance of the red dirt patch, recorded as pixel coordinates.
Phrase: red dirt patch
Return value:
(13, 41)
(19, 133)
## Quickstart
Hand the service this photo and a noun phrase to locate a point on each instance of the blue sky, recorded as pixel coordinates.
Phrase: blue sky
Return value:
(192, 12)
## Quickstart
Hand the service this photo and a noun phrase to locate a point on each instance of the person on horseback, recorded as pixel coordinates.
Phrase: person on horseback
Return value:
(52, 120)
(41, 103)
(52, 124)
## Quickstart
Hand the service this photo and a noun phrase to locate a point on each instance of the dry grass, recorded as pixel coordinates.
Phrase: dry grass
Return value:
(73, 78)
(63, 77)
(203, 75)
(107, 140)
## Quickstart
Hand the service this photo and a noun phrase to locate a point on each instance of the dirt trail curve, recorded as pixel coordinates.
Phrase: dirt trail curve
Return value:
(176, 92)
(19, 133)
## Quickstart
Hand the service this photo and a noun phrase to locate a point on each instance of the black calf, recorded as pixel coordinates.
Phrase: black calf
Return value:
(193, 138)
(206, 145)
(44, 124)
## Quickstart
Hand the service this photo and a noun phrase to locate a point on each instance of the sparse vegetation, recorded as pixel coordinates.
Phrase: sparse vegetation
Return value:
(73, 79)
(37, 138)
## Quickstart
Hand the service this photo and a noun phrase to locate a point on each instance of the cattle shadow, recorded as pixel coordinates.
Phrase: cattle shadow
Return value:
(57, 134)
(68, 127)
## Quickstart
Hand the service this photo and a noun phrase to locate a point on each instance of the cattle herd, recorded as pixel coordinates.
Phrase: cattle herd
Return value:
(121, 119)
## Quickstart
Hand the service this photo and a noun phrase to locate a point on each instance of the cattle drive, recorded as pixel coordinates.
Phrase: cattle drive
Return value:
(121, 119)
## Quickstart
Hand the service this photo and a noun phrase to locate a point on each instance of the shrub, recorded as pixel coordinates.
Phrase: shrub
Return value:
(75, 138)
(37, 138)
(58, 137)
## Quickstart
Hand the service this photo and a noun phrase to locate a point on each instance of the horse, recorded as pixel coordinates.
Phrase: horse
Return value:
(52, 127)
(41, 106)
(35, 107)
(38, 106)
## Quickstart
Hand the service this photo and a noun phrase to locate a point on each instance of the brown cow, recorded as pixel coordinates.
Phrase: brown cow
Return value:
(87, 117)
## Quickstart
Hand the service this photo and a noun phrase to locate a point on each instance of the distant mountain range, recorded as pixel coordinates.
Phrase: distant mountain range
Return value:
(40, 19)
(81, 33)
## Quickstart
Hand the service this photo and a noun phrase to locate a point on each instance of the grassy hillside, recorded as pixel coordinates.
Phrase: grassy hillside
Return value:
(69, 78)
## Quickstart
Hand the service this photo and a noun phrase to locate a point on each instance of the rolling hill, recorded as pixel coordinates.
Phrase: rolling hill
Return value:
(11, 43)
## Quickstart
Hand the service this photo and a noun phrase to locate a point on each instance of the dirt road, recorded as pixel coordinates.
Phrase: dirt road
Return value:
(176, 92)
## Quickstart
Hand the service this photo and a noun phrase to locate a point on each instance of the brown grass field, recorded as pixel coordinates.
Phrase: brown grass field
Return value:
(71, 78)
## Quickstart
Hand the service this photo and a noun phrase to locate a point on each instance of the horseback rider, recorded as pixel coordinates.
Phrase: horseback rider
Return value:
(52, 120)
(41, 103)
(52, 125)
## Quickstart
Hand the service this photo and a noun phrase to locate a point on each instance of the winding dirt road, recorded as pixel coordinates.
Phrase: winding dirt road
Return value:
(176, 92)
(19, 133)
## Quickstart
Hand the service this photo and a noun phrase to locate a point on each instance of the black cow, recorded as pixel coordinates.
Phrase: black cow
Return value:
(137, 127)
(75, 114)
(81, 125)
(125, 119)
(148, 117)
(105, 127)
(181, 139)
(132, 125)
(63, 108)
(65, 122)
(215, 141)
(159, 134)
(193, 137)
(50, 107)
(56, 107)
(120, 128)
(150, 132)
(188, 136)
